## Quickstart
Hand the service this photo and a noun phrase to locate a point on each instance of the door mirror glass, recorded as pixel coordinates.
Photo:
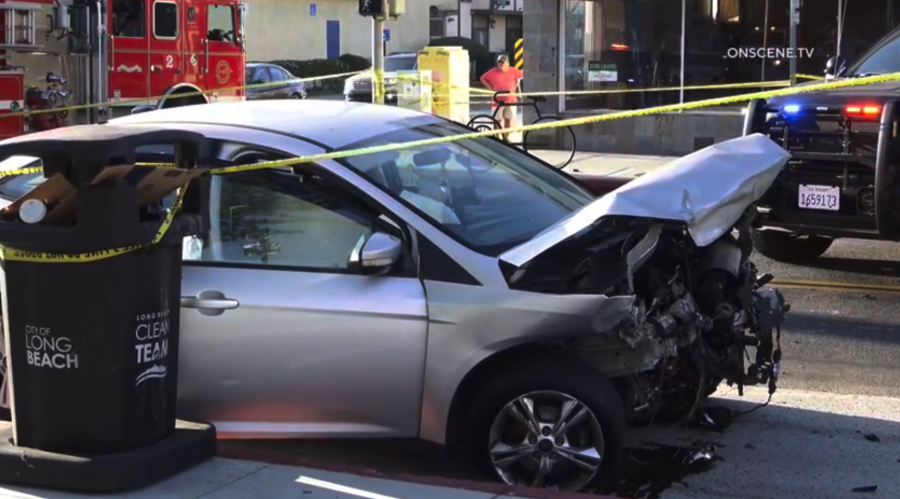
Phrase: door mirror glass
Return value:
(142, 109)
(380, 252)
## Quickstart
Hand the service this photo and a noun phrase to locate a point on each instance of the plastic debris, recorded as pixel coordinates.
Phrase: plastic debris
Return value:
(867, 488)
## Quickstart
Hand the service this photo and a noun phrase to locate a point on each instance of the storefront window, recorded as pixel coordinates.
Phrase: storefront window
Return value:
(616, 45)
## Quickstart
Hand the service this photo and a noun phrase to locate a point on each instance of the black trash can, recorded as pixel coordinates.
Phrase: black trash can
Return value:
(91, 295)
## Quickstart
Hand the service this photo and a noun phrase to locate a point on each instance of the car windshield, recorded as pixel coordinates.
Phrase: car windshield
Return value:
(488, 195)
(399, 63)
(884, 57)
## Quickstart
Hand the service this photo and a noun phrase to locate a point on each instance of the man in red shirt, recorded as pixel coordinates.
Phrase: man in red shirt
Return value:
(504, 78)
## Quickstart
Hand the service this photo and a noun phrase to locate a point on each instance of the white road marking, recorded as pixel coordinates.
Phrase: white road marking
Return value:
(340, 488)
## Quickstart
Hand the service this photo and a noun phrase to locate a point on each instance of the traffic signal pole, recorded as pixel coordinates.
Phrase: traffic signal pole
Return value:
(378, 11)
(378, 60)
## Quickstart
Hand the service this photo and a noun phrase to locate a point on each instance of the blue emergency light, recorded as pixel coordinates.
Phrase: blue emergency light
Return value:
(792, 109)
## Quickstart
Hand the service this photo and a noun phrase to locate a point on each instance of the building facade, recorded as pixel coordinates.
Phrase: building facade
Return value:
(494, 24)
(325, 29)
(664, 46)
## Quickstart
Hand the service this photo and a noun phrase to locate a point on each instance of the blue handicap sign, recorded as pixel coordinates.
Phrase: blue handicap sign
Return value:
(312, 10)
(386, 36)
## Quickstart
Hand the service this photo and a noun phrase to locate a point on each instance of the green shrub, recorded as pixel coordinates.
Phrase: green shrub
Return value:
(355, 62)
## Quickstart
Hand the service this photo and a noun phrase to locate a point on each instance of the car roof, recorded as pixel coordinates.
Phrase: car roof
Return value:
(332, 124)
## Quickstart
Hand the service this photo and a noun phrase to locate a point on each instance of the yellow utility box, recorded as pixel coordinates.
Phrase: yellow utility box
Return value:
(449, 68)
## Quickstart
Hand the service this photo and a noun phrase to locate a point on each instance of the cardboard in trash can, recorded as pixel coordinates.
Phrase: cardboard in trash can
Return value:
(152, 183)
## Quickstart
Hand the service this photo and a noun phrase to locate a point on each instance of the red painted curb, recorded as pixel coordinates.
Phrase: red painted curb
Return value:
(487, 487)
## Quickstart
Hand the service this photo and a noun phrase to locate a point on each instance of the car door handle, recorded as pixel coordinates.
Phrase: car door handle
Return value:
(207, 303)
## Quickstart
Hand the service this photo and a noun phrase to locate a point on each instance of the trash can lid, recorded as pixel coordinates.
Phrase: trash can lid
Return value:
(90, 148)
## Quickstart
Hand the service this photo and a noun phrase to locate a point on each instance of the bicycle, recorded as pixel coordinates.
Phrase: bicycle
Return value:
(540, 139)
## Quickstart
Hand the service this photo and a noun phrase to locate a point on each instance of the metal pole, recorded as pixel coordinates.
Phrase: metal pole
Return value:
(795, 18)
(840, 27)
(762, 75)
(459, 18)
(683, 23)
(378, 62)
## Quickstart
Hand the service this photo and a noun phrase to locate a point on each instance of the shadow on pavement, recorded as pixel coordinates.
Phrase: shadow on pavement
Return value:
(775, 451)
(845, 327)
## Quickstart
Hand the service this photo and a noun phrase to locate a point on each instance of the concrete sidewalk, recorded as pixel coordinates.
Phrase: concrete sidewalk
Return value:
(223, 478)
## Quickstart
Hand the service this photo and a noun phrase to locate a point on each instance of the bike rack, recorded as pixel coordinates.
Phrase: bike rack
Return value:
(495, 124)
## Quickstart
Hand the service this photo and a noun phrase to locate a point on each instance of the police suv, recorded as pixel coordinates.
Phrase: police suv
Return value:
(842, 179)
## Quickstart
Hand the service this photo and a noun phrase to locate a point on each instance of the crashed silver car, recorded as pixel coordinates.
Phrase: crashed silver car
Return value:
(463, 293)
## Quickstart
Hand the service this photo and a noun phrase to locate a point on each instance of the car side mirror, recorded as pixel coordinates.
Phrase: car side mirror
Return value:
(142, 109)
(379, 254)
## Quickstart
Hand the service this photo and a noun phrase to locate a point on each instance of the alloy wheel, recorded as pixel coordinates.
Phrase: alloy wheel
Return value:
(546, 439)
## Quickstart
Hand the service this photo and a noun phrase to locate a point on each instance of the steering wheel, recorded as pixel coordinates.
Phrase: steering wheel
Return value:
(466, 161)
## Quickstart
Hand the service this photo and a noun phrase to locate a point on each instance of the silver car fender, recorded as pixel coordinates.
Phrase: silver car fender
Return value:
(468, 324)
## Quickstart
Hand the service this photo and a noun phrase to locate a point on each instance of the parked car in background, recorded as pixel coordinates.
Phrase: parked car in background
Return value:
(358, 88)
(281, 83)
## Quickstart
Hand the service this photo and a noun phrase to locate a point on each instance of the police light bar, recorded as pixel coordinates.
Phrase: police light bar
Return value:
(863, 110)
(792, 109)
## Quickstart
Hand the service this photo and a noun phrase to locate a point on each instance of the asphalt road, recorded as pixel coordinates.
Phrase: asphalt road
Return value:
(839, 344)
(843, 341)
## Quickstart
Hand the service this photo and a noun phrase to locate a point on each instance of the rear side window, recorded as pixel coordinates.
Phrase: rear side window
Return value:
(165, 20)
(128, 18)
(220, 19)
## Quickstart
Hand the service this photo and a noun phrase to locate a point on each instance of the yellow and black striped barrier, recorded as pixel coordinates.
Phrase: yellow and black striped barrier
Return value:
(519, 54)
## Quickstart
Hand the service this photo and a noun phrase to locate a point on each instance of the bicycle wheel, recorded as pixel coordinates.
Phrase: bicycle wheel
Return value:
(483, 123)
(558, 141)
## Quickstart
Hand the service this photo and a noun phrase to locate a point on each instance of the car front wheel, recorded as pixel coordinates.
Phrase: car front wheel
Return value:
(788, 247)
(556, 425)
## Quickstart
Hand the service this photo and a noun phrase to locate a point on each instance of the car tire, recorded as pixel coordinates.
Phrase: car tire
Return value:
(539, 380)
(296, 96)
(788, 247)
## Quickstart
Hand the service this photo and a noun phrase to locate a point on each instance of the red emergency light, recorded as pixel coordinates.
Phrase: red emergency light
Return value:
(863, 110)
(619, 46)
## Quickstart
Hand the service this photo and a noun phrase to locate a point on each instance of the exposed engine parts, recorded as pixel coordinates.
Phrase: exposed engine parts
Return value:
(710, 304)
(698, 314)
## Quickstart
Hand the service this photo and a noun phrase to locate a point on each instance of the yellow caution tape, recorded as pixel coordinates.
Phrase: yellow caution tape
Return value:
(564, 123)
(21, 171)
(17, 255)
(12, 254)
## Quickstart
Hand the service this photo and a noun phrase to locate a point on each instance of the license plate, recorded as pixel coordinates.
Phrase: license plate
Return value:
(819, 197)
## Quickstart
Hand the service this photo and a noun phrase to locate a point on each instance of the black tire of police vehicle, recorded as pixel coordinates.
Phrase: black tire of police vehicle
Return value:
(787, 247)
(568, 376)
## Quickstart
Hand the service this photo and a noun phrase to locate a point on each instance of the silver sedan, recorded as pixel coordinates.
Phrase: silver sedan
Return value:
(463, 293)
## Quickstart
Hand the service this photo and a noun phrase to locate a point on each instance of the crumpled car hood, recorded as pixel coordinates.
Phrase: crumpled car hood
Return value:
(707, 190)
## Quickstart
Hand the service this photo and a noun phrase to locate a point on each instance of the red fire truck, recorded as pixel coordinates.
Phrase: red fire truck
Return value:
(118, 54)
